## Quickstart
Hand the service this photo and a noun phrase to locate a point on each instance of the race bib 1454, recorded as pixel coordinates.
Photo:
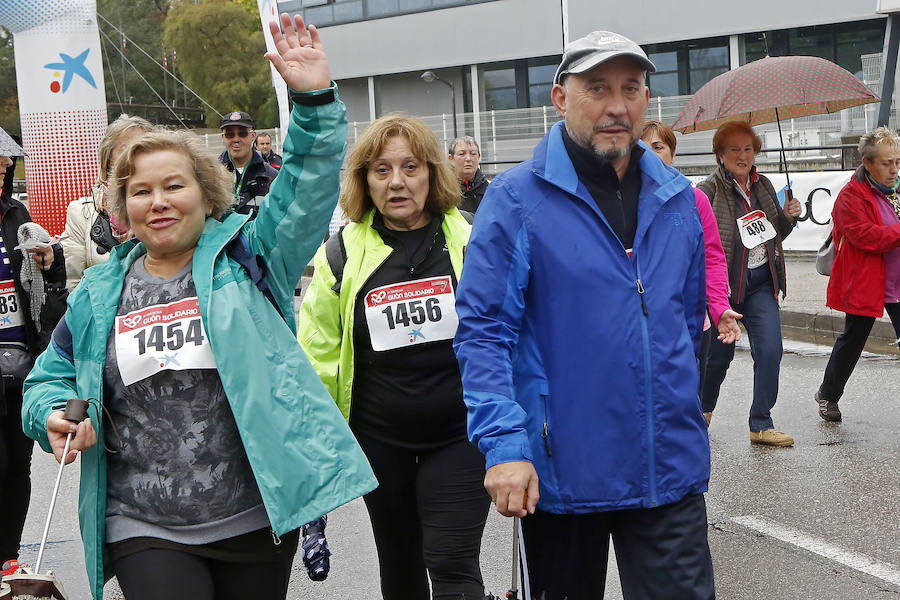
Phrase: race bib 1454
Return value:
(160, 337)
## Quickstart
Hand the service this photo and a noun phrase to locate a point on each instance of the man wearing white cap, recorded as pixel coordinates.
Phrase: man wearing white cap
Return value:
(580, 317)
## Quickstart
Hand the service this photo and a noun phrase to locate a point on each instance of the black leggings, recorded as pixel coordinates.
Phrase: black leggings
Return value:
(175, 575)
(15, 473)
(428, 513)
(848, 348)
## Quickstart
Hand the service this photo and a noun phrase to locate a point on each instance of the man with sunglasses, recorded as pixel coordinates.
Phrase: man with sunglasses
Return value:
(252, 175)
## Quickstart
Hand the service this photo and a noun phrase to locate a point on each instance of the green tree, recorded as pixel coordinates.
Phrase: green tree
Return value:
(220, 54)
(9, 95)
(141, 82)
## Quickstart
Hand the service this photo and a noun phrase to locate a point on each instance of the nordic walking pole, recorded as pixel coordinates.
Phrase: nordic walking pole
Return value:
(513, 593)
(76, 412)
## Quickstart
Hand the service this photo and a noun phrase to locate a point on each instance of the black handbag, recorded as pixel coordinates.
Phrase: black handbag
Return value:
(15, 363)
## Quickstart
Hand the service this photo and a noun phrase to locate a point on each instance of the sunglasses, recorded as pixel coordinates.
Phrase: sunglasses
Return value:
(230, 134)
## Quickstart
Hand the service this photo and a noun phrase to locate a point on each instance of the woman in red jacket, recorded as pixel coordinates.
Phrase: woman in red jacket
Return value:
(865, 277)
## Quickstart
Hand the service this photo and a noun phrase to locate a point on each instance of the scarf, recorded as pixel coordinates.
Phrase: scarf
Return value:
(890, 192)
(32, 235)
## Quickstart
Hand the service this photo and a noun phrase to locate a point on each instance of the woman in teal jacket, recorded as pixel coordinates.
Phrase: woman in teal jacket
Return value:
(192, 493)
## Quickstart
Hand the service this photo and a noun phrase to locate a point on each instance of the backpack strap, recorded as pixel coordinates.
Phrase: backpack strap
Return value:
(336, 254)
(468, 216)
(239, 250)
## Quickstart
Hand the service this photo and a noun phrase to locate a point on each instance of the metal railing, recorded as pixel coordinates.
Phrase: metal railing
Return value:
(509, 136)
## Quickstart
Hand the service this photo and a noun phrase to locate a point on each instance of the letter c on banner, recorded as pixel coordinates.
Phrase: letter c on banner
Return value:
(809, 211)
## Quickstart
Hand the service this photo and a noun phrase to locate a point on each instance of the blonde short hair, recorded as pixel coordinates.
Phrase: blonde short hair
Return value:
(214, 179)
(869, 143)
(443, 186)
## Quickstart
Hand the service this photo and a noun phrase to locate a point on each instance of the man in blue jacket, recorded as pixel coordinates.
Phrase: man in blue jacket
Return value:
(580, 312)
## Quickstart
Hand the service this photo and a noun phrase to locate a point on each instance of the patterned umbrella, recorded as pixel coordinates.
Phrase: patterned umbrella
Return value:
(8, 146)
(770, 89)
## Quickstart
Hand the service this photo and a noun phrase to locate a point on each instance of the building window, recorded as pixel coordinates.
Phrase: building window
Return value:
(518, 83)
(540, 80)
(843, 44)
(336, 12)
(499, 84)
(684, 67)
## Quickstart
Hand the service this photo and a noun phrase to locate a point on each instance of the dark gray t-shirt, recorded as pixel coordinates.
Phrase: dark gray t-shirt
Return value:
(182, 473)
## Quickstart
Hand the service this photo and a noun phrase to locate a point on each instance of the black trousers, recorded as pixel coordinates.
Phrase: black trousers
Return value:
(15, 473)
(428, 514)
(848, 348)
(662, 553)
(175, 575)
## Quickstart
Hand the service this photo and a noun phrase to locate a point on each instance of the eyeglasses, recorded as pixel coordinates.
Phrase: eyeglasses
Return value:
(230, 134)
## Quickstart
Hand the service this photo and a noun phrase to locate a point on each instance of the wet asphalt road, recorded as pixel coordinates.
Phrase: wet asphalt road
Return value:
(820, 520)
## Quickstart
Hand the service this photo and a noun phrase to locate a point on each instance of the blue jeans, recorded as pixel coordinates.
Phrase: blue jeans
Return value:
(763, 323)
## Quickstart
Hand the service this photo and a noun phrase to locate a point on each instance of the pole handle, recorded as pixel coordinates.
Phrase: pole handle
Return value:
(76, 410)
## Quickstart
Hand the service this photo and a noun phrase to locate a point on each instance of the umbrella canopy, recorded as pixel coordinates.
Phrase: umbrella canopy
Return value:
(8, 147)
(765, 90)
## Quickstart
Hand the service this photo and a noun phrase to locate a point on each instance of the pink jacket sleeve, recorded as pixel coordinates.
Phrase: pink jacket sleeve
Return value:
(716, 269)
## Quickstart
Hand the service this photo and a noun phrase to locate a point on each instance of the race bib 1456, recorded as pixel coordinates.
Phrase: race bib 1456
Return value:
(160, 337)
(413, 312)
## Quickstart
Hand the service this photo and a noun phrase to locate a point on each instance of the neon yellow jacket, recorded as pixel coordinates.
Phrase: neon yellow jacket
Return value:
(321, 331)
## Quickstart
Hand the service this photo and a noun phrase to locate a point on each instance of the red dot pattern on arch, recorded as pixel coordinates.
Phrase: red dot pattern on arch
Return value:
(62, 161)
(54, 86)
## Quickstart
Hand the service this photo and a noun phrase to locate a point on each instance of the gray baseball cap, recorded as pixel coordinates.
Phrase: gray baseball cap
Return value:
(597, 47)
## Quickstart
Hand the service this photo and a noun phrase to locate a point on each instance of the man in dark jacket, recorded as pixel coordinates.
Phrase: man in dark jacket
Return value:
(252, 175)
(21, 340)
(264, 146)
(580, 319)
(465, 155)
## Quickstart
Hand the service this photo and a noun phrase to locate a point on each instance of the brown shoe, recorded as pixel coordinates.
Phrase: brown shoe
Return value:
(770, 437)
(708, 417)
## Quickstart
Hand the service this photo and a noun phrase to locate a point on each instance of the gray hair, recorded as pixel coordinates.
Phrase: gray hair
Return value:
(869, 143)
(116, 130)
(466, 139)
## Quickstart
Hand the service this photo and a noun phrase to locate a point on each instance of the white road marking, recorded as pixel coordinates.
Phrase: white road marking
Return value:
(845, 556)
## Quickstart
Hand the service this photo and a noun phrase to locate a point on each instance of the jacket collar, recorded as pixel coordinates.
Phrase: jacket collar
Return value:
(659, 182)
(255, 158)
(553, 165)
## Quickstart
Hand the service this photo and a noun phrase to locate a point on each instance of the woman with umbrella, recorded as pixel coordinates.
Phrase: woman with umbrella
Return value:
(752, 226)
(865, 276)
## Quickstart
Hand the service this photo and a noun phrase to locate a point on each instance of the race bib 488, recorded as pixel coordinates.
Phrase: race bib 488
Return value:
(413, 312)
(160, 337)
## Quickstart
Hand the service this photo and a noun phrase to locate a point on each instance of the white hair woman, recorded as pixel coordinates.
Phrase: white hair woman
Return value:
(865, 276)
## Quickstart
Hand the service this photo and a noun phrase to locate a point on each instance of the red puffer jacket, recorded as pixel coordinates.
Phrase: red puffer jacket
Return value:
(857, 278)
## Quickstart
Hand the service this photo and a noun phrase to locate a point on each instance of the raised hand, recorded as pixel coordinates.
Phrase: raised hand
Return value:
(300, 59)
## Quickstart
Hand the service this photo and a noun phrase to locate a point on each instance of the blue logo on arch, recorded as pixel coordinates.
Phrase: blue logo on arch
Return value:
(70, 67)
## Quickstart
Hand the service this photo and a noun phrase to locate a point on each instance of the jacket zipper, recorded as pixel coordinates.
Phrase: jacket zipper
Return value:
(648, 378)
(350, 329)
(545, 431)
